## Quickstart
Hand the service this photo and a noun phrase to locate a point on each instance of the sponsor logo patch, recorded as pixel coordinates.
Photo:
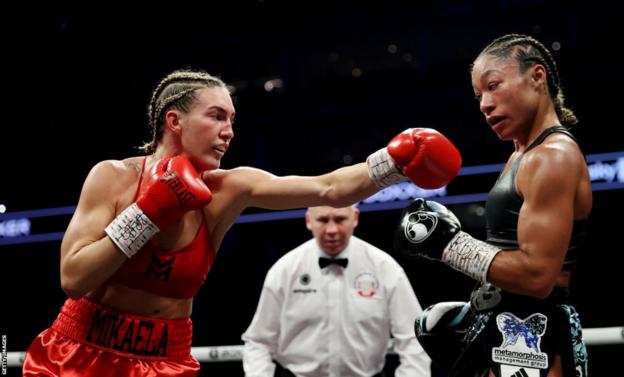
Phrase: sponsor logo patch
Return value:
(304, 279)
(420, 226)
(511, 371)
(521, 340)
(366, 284)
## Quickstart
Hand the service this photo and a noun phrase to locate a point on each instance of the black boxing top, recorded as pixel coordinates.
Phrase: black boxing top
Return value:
(503, 208)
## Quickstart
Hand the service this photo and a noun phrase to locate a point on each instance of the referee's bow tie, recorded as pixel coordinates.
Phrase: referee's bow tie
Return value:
(324, 262)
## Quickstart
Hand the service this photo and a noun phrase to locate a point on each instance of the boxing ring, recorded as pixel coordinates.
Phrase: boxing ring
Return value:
(605, 176)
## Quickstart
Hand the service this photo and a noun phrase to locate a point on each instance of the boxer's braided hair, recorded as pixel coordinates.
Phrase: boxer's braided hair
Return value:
(528, 51)
(177, 90)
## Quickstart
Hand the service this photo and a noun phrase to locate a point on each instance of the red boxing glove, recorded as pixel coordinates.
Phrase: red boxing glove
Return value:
(425, 156)
(172, 188)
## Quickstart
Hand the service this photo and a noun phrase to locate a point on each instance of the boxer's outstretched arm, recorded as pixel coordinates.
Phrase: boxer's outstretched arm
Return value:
(422, 155)
(339, 188)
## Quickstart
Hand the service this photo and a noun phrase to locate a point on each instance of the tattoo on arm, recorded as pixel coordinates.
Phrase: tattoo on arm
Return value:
(134, 165)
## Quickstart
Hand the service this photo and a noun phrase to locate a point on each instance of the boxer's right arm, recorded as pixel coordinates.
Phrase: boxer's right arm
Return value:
(88, 256)
(173, 187)
(428, 229)
(88, 259)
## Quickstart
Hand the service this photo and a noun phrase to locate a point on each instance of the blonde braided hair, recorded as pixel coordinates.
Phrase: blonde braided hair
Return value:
(176, 90)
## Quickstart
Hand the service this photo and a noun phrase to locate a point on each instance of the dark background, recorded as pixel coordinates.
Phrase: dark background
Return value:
(77, 83)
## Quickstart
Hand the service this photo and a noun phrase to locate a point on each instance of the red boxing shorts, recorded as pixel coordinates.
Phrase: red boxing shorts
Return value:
(89, 339)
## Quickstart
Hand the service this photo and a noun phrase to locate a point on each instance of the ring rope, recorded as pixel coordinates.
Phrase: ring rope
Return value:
(592, 336)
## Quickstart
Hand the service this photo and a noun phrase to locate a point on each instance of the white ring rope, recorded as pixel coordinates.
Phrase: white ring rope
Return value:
(592, 337)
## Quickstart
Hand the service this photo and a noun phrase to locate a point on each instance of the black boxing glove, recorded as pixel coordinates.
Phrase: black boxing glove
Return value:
(425, 229)
(440, 330)
(428, 229)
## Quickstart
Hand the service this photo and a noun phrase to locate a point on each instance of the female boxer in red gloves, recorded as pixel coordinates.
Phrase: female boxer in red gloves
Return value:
(147, 228)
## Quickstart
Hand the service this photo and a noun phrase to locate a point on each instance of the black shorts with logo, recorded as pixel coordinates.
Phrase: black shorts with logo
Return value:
(519, 337)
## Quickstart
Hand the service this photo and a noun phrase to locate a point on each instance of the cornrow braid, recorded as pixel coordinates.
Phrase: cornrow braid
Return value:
(176, 90)
(528, 51)
(165, 102)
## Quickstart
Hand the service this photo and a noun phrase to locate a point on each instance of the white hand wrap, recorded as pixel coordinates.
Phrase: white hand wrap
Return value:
(131, 230)
(382, 169)
(469, 255)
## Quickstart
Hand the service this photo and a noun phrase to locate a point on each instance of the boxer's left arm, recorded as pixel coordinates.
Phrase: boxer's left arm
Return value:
(424, 156)
(339, 188)
(548, 180)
